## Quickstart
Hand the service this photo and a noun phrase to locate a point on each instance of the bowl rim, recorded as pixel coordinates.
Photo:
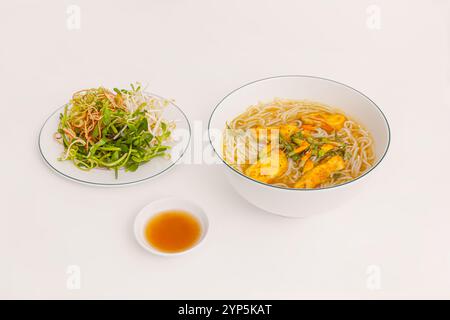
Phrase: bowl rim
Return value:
(310, 77)
(99, 184)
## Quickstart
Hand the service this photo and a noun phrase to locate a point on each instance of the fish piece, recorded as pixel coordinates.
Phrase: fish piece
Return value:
(321, 173)
(335, 120)
(287, 130)
(327, 147)
(268, 167)
(308, 166)
(329, 122)
(302, 147)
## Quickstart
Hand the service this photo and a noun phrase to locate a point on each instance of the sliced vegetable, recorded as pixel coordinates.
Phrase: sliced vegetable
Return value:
(302, 146)
(120, 129)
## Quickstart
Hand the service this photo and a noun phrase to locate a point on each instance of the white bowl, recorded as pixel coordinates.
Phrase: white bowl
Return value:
(155, 207)
(299, 202)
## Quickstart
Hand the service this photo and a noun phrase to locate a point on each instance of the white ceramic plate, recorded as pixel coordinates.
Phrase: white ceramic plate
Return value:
(51, 150)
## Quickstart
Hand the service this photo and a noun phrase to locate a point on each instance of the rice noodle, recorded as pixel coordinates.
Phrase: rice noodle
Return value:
(358, 142)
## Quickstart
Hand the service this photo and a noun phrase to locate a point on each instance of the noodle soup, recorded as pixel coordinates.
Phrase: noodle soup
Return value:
(297, 144)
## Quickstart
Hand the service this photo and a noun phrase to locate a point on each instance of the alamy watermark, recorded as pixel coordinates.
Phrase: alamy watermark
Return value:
(236, 146)
(73, 18)
(73, 280)
(373, 20)
(373, 277)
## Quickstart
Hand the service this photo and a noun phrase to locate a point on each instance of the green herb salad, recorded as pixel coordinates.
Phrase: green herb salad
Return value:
(122, 128)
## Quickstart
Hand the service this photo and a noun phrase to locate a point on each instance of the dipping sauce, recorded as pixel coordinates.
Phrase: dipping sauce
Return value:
(173, 231)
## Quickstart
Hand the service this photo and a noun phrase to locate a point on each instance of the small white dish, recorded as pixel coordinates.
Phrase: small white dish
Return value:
(51, 150)
(158, 206)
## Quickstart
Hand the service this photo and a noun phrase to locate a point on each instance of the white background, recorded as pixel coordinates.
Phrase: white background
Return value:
(196, 52)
